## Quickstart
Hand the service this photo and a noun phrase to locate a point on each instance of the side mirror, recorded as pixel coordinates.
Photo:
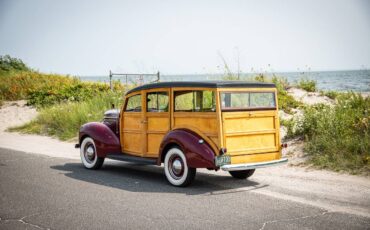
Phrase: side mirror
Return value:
(113, 106)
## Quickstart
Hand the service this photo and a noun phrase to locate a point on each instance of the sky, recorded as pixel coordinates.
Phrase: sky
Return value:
(91, 37)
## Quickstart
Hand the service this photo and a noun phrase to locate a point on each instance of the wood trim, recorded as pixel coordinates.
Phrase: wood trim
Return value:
(195, 114)
(268, 131)
(131, 131)
(157, 114)
(252, 151)
(157, 132)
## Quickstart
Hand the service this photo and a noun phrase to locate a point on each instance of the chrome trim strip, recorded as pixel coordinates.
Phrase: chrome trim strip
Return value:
(238, 167)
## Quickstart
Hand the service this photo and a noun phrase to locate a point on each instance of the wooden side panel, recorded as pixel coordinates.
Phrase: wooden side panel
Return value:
(132, 134)
(205, 122)
(158, 126)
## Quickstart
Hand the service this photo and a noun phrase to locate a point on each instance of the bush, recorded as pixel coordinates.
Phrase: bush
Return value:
(308, 85)
(64, 120)
(9, 64)
(338, 138)
(48, 89)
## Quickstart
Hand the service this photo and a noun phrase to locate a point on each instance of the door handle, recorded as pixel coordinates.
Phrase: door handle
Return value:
(144, 121)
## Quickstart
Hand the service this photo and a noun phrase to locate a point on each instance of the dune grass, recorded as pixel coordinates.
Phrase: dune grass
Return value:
(42, 90)
(337, 138)
(64, 120)
(306, 84)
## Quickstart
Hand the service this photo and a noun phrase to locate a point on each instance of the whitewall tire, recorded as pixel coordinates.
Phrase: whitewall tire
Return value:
(176, 169)
(89, 155)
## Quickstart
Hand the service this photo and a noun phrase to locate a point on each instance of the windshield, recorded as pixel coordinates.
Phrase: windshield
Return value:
(236, 101)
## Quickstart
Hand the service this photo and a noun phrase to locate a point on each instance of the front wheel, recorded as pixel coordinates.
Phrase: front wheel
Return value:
(242, 174)
(89, 156)
(176, 169)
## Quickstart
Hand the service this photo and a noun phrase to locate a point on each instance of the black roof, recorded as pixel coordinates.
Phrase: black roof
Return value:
(204, 84)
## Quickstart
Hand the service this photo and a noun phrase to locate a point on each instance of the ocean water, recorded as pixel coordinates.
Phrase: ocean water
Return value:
(354, 80)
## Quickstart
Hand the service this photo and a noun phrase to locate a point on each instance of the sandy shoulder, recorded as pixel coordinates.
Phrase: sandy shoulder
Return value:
(17, 113)
(309, 98)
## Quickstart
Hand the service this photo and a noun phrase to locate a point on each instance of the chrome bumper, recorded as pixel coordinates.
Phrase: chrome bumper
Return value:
(238, 167)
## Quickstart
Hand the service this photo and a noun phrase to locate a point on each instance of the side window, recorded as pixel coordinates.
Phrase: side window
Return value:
(195, 101)
(134, 104)
(157, 102)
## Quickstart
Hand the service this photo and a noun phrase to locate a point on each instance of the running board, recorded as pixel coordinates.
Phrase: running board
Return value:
(134, 159)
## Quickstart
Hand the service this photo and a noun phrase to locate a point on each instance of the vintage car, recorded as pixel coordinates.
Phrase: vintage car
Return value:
(227, 125)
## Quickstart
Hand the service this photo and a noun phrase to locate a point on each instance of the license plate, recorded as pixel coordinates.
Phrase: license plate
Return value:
(223, 160)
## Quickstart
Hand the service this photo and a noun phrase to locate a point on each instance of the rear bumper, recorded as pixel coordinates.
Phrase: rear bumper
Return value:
(238, 167)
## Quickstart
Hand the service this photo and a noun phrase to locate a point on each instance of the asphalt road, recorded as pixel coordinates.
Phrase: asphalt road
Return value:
(41, 192)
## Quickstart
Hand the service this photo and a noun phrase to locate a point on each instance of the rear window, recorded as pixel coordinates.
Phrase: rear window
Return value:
(234, 101)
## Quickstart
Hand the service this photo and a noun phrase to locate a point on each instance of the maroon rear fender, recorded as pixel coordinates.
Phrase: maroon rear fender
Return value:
(106, 141)
(198, 153)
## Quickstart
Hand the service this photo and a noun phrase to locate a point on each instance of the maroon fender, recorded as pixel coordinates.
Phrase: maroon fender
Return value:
(105, 139)
(198, 155)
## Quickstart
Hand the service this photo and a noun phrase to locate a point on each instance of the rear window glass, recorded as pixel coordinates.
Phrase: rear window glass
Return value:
(195, 101)
(247, 100)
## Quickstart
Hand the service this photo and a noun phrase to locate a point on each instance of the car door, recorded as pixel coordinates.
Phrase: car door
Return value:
(132, 125)
(156, 120)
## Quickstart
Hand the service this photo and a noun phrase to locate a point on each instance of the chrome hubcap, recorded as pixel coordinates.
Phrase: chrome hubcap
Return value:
(90, 153)
(177, 166)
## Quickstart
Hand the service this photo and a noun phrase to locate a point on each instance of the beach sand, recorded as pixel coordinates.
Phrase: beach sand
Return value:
(17, 113)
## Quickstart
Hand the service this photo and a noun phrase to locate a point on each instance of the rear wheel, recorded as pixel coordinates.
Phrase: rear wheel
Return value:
(176, 169)
(242, 174)
(89, 156)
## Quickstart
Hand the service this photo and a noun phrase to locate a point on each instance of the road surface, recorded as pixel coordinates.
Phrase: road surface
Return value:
(42, 192)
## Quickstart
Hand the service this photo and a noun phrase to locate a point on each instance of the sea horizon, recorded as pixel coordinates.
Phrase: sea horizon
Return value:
(342, 80)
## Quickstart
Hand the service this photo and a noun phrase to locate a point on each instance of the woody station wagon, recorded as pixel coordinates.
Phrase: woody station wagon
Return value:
(227, 125)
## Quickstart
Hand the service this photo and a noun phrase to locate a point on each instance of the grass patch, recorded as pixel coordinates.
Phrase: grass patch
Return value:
(43, 90)
(338, 138)
(331, 94)
(17, 81)
(308, 85)
(64, 120)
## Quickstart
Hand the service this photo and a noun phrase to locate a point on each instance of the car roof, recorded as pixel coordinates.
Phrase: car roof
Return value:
(204, 84)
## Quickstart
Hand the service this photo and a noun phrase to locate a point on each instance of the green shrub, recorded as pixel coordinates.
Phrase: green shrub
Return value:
(64, 120)
(290, 126)
(9, 64)
(338, 138)
(308, 85)
(47, 89)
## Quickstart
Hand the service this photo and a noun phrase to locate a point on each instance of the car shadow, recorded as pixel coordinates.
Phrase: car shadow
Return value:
(147, 178)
